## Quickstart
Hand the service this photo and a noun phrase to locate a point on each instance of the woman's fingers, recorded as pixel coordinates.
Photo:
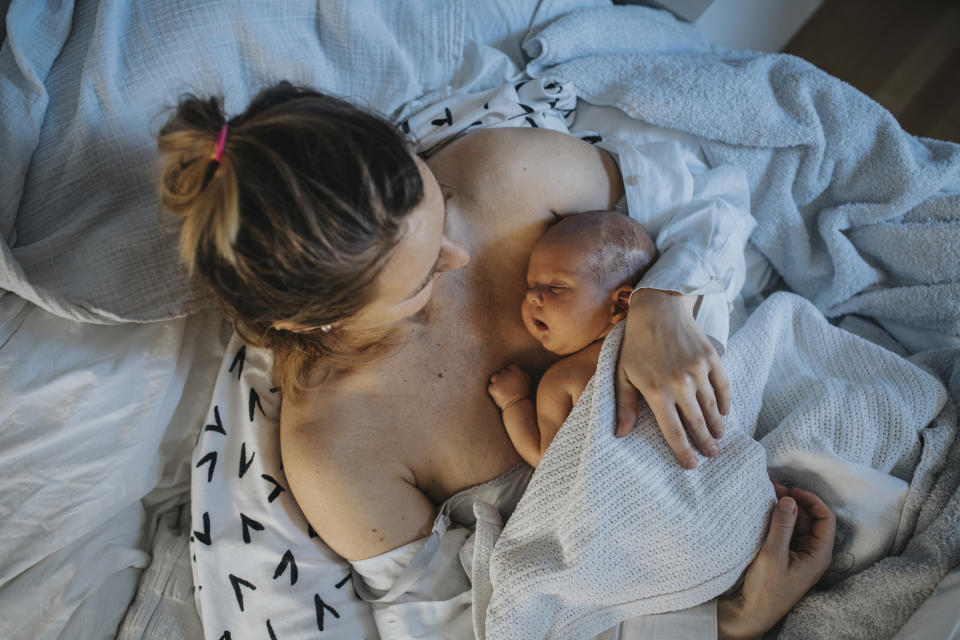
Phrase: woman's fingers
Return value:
(823, 522)
(711, 414)
(696, 425)
(721, 386)
(780, 490)
(782, 522)
(628, 401)
(674, 433)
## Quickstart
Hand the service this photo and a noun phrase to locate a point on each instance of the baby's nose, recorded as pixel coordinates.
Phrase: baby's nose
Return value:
(533, 296)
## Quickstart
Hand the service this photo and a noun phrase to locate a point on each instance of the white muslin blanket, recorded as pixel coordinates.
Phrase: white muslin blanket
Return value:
(613, 528)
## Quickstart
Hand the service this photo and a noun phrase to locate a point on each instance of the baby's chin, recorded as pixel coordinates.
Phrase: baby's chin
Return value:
(553, 347)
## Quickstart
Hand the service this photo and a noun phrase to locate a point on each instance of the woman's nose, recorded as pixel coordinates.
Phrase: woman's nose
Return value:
(453, 256)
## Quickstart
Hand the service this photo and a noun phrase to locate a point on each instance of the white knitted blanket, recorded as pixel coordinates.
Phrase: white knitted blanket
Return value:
(610, 529)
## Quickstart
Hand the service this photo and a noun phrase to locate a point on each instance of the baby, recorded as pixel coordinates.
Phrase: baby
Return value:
(580, 277)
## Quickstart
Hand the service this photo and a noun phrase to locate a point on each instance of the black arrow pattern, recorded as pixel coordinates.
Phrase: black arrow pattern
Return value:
(287, 561)
(204, 537)
(218, 426)
(277, 489)
(212, 459)
(448, 120)
(249, 523)
(237, 582)
(244, 462)
(255, 403)
(322, 606)
(238, 360)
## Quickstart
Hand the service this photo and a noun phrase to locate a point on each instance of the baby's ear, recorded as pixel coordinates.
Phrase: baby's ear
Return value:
(621, 302)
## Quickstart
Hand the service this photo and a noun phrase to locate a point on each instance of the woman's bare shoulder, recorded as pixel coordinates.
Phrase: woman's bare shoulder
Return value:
(358, 496)
(558, 170)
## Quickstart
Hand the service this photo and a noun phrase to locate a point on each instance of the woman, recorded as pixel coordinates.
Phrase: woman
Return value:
(326, 239)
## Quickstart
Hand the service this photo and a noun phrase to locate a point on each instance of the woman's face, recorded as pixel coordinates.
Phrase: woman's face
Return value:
(405, 284)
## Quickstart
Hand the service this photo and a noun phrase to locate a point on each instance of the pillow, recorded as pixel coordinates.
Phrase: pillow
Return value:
(259, 569)
(82, 90)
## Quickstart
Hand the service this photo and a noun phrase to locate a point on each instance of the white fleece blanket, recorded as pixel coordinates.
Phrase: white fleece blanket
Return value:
(610, 529)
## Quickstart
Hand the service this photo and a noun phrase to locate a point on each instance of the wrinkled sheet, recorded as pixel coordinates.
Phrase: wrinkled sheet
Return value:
(96, 428)
(855, 214)
(83, 88)
(830, 411)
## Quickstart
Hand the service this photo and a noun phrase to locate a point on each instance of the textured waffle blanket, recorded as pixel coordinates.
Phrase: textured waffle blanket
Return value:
(614, 528)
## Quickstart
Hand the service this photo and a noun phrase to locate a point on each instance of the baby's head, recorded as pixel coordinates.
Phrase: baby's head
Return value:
(580, 276)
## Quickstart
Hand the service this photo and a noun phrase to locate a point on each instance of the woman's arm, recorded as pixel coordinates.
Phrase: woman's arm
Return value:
(360, 502)
(701, 219)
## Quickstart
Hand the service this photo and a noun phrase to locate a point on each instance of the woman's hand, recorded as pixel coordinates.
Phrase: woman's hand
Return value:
(508, 386)
(666, 357)
(793, 558)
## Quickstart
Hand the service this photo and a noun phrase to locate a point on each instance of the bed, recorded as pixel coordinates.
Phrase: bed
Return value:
(117, 384)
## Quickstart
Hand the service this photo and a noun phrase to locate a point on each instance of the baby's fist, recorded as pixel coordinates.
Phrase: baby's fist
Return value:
(509, 385)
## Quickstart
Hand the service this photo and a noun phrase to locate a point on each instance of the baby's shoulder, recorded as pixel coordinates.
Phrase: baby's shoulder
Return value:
(573, 372)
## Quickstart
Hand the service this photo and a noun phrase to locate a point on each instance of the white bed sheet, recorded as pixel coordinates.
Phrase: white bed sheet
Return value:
(96, 428)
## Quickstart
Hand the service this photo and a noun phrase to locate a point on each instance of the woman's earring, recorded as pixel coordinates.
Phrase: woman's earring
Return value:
(325, 328)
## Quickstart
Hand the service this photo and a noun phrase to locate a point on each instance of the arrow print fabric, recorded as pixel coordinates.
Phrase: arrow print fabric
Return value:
(264, 571)
(210, 458)
(238, 360)
(244, 462)
(287, 561)
(218, 425)
(237, 583)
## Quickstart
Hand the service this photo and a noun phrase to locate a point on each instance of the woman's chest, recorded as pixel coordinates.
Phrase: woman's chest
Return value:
(447, 429)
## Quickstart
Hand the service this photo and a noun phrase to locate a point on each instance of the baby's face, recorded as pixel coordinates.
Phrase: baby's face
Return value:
(563, 308)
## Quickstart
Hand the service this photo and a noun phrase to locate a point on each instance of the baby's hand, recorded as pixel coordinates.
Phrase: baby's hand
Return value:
(509, 385)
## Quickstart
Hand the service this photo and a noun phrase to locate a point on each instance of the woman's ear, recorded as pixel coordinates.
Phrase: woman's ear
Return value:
(620, 303)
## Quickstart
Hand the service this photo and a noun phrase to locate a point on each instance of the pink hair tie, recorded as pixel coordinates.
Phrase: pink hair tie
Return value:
(221, 142)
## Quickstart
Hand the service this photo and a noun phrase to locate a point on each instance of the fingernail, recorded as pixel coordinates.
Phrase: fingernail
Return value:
(690, 464)
(712, 451)
(787, 505)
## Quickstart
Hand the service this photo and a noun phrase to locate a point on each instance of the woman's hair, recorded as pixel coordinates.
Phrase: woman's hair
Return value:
(296, 219)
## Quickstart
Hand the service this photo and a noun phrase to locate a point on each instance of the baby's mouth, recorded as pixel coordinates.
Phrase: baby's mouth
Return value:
(542, 326)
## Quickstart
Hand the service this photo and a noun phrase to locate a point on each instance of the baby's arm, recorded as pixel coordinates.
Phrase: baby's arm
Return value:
(510, 389)
(554, 403)
(531, 429)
